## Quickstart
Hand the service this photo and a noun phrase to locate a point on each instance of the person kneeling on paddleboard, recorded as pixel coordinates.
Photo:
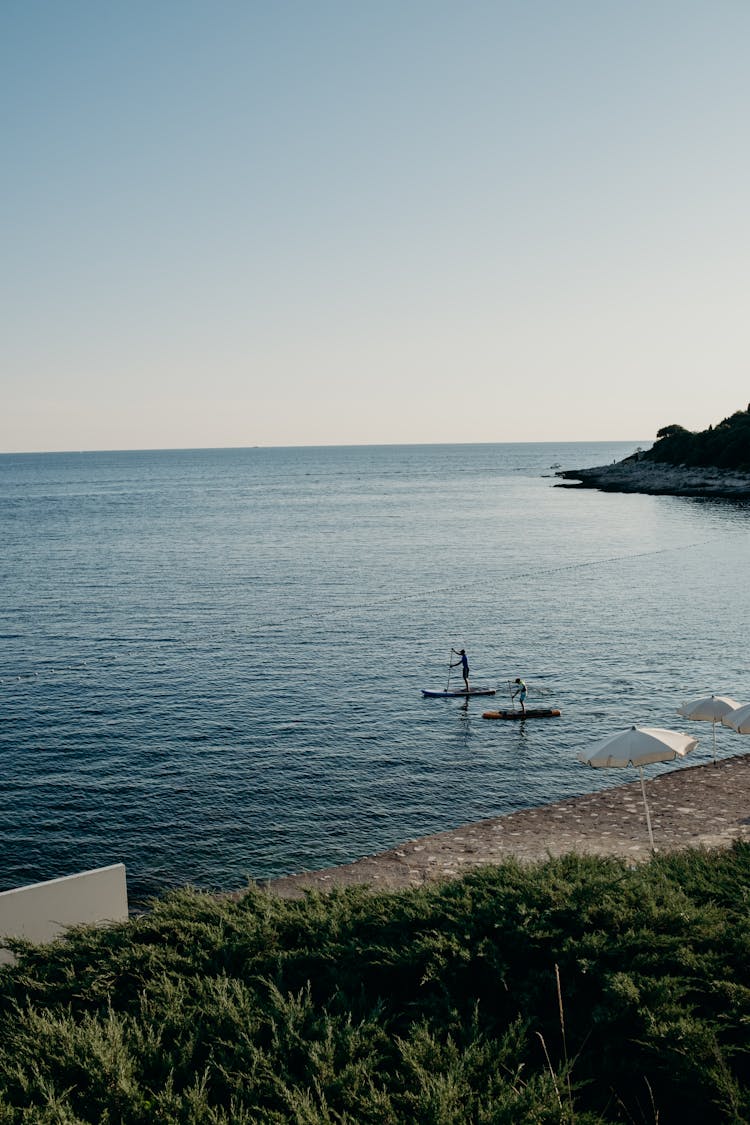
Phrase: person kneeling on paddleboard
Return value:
(464, 662)
(521, 693)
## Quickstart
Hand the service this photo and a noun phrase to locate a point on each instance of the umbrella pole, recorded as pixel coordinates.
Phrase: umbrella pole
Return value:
(713, 728)
(645, 805)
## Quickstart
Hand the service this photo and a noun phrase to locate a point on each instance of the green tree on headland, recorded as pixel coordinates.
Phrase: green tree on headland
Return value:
(726, 446)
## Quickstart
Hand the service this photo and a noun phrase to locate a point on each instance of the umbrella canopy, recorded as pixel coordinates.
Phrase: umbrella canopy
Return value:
(639, 747)
(738, 720)
(710, 709)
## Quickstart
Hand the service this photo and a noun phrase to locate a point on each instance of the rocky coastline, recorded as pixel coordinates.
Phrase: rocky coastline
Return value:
(658, 478)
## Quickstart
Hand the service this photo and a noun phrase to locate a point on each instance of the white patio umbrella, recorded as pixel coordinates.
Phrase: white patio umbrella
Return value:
(639, 747)
(710, 709)
(739, 719)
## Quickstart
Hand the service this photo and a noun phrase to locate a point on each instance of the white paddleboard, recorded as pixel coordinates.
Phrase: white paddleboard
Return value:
(438, 693)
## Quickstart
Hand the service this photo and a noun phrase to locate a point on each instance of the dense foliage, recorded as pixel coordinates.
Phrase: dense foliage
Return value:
(576, 990)
(726, 446)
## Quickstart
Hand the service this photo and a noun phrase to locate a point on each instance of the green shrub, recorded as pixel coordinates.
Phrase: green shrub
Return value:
(574, 990)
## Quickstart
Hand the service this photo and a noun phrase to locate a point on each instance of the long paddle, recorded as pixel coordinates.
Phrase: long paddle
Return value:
(447, 686)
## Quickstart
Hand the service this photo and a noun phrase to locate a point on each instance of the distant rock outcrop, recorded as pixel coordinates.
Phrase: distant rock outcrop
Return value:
(714, 462)
(660, 479)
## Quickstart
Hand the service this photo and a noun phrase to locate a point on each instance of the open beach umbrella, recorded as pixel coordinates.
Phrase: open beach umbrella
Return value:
(739, 719)
(710, 709)
(639, 747)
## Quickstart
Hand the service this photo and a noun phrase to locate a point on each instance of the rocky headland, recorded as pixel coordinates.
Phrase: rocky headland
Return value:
(659, 478)
(711, 462)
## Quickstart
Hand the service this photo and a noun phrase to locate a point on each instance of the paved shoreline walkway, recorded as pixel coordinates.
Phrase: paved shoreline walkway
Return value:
(691, 806)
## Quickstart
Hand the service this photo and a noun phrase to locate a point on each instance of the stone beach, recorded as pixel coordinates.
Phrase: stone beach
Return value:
(705, 806)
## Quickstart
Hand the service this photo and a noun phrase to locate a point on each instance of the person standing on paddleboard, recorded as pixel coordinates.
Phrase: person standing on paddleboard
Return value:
(464, 662)
(520, 691)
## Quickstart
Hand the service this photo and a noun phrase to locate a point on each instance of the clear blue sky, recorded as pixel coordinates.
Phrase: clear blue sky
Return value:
(345, 221)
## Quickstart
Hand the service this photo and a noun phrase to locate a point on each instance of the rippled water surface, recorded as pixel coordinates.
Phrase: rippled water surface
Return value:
(211, 662)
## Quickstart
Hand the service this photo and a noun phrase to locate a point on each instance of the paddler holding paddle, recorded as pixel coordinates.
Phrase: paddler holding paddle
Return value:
(520, 691)
(464, 662)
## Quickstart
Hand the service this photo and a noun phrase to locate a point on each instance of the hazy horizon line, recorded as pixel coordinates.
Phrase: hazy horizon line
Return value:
(311, 445)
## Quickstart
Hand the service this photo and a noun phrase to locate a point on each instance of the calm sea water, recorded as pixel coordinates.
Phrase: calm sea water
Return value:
(212, 661)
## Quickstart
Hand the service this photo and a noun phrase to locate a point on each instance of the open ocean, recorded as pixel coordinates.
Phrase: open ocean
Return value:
(211, 661)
